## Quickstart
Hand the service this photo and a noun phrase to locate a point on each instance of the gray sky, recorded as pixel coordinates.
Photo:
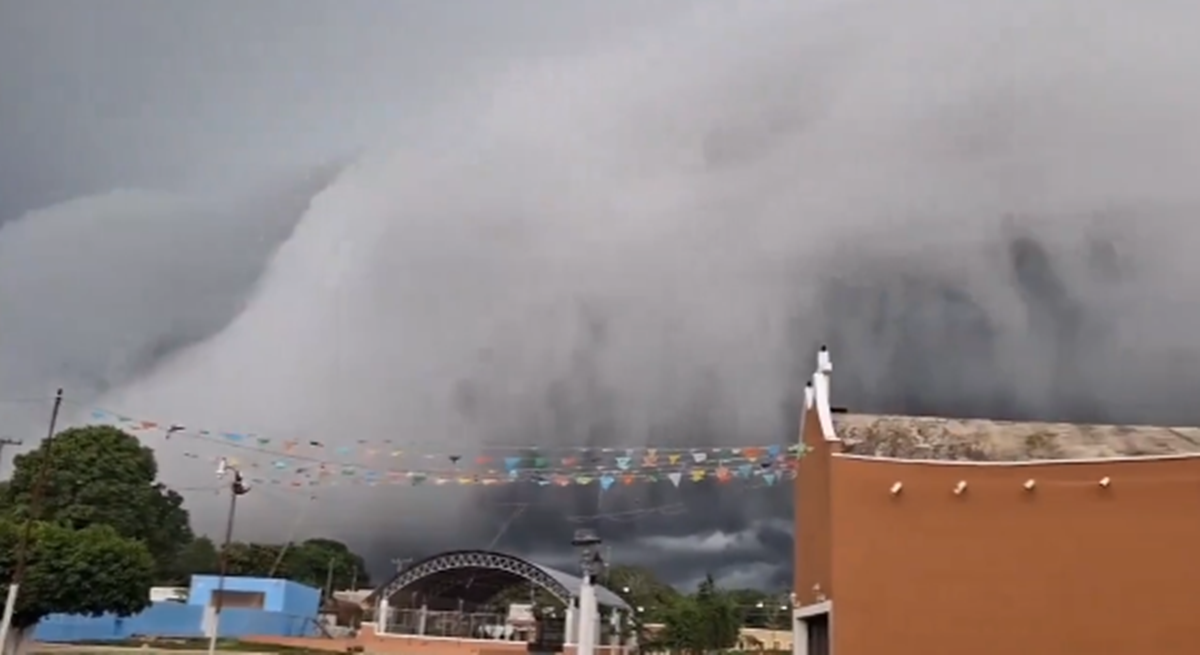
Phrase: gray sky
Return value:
(601, 223)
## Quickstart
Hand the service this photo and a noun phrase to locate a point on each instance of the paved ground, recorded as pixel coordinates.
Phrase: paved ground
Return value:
(73, 649)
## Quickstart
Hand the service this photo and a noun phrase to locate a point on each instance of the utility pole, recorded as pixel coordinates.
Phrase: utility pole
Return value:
(236, 488)
(401, 563)
(35, 501)
(329, 580)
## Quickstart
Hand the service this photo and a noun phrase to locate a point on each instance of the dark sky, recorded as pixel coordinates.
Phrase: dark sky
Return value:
(589, 223)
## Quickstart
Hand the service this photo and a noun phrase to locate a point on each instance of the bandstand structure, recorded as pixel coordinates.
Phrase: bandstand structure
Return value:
(452, 595)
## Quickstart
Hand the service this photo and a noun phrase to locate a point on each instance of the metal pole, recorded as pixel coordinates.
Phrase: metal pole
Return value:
(35, 500)
(234, 489)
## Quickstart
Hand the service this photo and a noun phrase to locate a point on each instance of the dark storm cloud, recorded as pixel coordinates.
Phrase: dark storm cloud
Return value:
(640, 238)
(96, 291)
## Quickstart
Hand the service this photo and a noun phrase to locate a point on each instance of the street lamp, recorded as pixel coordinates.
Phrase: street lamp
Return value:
(592, 563)
(237, 487)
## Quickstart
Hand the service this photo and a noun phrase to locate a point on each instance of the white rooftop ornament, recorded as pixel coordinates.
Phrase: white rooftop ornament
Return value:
(820, 384)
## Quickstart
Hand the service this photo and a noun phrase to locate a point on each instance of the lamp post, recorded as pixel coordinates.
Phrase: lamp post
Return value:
(237, 487)
(592, 563)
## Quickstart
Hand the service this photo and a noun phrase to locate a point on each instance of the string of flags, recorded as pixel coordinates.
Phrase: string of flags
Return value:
(305, 463)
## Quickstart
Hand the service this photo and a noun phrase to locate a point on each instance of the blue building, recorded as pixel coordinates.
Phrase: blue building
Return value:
(269, 594)
(249, 606)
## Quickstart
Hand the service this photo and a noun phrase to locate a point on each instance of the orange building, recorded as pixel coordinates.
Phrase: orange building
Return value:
(932, 535)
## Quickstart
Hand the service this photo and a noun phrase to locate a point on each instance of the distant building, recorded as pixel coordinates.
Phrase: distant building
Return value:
(168, 594)
(346, 609)
(932, 535)
(270, 594)
(764, 639)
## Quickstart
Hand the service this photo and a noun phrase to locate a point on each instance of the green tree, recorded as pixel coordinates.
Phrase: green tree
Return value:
(705, 621)
(99, 475)
(90, 571)
(722, 618)
(640, 587)
(643, 591)
(250, 559)
(198, 557)
(683, 630)
(310, 562)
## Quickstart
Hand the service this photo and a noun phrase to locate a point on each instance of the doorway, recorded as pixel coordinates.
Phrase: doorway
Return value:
(811, 633)
(817, 628)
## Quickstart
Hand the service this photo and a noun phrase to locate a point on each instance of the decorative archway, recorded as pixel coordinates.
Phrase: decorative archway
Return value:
(457, 571)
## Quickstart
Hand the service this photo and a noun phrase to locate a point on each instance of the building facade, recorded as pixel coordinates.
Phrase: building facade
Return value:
(931, 535)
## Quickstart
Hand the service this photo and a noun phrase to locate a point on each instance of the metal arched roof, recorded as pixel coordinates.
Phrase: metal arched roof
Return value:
(458, 570)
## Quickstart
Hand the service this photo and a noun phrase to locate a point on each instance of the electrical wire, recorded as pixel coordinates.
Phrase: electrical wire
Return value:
(628, 516)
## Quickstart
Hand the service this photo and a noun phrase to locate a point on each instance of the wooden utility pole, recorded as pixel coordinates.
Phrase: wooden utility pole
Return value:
(329, 580)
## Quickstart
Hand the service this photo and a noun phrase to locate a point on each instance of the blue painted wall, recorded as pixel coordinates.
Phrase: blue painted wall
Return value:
(272, 589)
(171, 620)
(289, 610)
(300, 600)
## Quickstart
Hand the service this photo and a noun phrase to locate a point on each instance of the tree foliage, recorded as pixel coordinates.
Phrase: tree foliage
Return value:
(197, 557)
(708, 620)
(106, 531)
(310, 562)
(761, 609)
(641, 588)
(90, 571)
(99, 475)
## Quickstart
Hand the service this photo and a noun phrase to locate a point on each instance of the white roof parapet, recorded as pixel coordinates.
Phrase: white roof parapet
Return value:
(820, 386)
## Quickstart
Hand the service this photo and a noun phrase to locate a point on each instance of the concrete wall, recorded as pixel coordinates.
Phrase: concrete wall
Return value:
(171, 620)
(1069, 567)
